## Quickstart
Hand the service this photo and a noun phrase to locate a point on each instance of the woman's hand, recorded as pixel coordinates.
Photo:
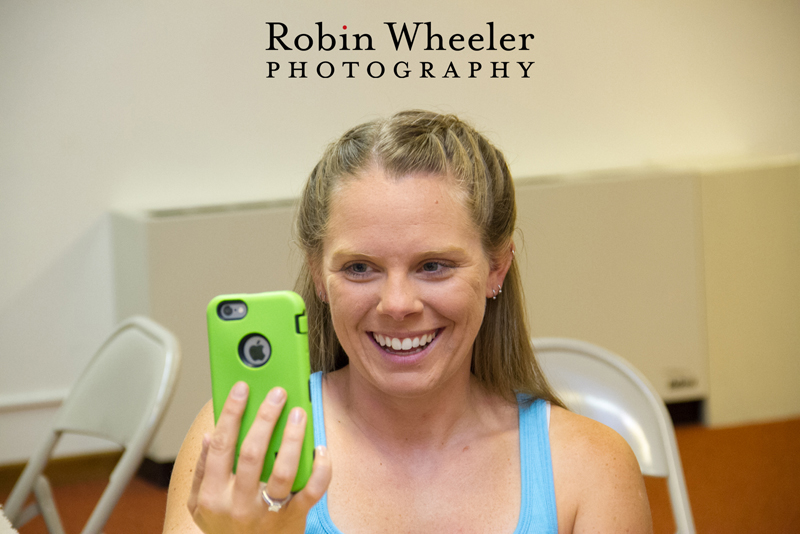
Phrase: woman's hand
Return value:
(226, 503)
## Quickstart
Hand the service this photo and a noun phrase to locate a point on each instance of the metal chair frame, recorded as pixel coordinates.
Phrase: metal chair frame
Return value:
(601, 385)
(121, 396)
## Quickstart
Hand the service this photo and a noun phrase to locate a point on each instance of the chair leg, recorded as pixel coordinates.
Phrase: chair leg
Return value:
(28, 513)
(44, 496)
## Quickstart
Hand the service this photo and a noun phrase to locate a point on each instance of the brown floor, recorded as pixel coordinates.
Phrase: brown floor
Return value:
(741, 480)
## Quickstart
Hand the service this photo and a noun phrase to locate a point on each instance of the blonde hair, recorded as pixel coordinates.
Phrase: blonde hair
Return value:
(413, 142)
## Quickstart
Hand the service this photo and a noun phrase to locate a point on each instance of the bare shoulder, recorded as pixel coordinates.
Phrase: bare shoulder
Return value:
(599, 487)
(178, 518)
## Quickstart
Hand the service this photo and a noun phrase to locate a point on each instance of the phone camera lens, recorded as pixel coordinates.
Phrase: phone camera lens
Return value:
(231, 310)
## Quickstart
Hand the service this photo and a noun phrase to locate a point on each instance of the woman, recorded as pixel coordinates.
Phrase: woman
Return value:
(430, 401)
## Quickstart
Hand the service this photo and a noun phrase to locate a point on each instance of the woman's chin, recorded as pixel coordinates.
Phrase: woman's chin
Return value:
(406, 385)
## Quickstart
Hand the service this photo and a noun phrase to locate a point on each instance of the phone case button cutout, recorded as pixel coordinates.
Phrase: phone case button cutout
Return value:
(301, 323)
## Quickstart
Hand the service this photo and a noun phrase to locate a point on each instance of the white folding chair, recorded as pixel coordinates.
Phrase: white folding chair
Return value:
(120, 396)
(602, 386)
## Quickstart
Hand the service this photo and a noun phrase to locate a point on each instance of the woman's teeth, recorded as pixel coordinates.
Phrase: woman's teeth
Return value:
(407, 343)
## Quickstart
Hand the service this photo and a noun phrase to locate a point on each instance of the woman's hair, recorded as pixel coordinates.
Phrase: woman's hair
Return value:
(413, 142)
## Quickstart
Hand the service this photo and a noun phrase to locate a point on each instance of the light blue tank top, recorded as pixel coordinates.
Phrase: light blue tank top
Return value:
(537, 513)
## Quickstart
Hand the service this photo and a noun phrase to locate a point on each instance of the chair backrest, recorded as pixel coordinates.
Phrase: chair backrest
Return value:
(121, 396)
(602, 386)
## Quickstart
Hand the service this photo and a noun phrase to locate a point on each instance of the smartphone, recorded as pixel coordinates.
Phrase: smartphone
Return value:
(262, 339)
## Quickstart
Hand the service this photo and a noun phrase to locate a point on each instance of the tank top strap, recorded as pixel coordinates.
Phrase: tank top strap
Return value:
(317, 413)
(318, 520)
(538, 500)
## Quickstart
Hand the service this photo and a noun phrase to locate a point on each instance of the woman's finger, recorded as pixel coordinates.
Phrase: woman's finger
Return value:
(255, 444)
(221, 448)
(199, 472)
(284, 470)
(318, 482)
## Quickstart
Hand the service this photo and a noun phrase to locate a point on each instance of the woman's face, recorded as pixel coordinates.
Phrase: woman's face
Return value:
(407, 280)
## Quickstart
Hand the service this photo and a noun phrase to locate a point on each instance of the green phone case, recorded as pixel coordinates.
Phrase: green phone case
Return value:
(280, 318)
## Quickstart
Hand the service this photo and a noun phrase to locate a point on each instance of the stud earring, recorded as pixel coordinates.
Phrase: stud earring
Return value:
(497, 291)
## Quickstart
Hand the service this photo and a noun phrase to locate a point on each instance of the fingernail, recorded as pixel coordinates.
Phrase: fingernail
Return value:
(239, 390)
(276, 396)
(321, 451)
(296, 416)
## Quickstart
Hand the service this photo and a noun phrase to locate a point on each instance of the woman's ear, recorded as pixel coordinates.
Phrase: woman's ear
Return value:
(319, 285)
(501, 265)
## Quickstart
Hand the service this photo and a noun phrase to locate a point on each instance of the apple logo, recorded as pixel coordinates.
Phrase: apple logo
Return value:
(254, 350)
(257, 352)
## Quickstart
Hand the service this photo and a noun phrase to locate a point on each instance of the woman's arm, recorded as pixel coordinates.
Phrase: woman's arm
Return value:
(205, 495)
(599, 486)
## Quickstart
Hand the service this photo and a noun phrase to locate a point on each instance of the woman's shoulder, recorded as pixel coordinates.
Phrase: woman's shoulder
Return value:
(582, 434)
(596, 475)
(202, 425)
(177, 518)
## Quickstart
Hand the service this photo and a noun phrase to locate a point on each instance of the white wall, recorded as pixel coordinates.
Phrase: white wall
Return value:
(151, 104)
(751, 225)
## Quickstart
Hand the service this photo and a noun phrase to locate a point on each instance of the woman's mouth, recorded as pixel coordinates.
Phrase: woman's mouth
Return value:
(404, 345)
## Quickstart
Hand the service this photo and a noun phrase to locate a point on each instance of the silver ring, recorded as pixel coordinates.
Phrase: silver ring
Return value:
(275, 505)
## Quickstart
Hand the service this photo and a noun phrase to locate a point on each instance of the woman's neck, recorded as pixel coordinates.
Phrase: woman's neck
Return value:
(427, 421)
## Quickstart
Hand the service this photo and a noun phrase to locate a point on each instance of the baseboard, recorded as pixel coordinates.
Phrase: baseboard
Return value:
(157, 473)
(69, 470)
(65, 470)
(687, 413)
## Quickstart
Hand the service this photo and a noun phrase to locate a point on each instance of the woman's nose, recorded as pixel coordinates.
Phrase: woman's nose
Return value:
(399, 298)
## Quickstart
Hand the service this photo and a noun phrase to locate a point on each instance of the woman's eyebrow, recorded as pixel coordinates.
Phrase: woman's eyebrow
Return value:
(348, 252)
(445, 251)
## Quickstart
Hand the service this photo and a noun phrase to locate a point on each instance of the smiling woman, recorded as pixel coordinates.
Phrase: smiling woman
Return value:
(461, 169)
(427, 396)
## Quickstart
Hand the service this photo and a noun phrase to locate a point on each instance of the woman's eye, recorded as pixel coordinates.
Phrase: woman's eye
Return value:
(357, 269)
(435, 267)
